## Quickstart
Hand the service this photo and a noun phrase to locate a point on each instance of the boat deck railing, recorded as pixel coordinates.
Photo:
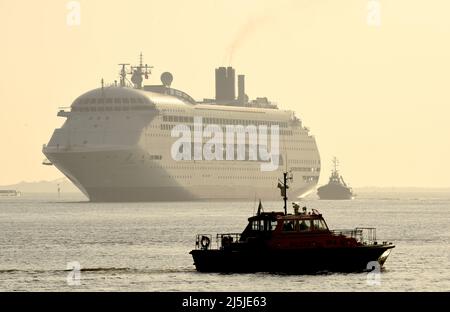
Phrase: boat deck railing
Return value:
(203, 241)
(226, 239)
(360, 234)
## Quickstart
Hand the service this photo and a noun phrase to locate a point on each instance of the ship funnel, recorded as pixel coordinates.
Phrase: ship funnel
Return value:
(242, 98)
(225, 84)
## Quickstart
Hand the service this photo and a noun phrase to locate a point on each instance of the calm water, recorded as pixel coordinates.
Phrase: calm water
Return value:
(145, 246)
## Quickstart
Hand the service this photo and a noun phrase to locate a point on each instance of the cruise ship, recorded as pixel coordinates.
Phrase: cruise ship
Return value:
(116, 143)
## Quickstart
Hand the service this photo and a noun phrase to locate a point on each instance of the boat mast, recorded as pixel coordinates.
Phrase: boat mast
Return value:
(285, 198)
(283, 186)
(335, 164)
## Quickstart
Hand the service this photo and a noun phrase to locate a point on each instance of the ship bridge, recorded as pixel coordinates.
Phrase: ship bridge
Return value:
(122, 98)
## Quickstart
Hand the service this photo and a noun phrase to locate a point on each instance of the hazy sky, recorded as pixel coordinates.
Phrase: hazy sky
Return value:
(376, 97)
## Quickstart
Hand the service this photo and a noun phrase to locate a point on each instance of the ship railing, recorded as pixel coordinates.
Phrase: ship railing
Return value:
(362, 235)
(224, 240)
(203, 241)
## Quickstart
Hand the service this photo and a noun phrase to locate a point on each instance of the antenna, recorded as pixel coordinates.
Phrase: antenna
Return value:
(283, 186)
(123, 74)
(335, 164)
(254, 204)
(137, 72)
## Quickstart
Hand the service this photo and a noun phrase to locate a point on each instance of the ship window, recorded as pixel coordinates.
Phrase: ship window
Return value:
(288, 226)
(108, 101)
(132, 100)
(117, 101)
(255, 225)
(140, 101)
(101, 101)
(319, 225)
(92, 101)
(272, 225)
(125, 101)
(304, 225)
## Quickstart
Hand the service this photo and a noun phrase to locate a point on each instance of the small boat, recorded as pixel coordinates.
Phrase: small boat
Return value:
(301, 242)
(9, 193)
(336, 187)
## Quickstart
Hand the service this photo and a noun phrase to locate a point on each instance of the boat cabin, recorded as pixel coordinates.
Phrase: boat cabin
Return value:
(267, 223)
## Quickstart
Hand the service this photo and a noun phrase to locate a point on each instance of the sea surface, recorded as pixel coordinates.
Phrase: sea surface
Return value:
(145, 246)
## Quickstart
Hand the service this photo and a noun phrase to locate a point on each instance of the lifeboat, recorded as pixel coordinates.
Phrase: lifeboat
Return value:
(299, 242)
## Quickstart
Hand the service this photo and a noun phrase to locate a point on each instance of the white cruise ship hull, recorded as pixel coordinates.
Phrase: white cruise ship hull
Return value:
(105, 176)
(117, 151)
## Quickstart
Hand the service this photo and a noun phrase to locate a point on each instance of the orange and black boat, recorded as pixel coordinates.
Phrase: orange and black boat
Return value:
(290, 243)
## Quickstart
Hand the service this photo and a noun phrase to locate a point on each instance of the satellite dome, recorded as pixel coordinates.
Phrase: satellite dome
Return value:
(166, 79)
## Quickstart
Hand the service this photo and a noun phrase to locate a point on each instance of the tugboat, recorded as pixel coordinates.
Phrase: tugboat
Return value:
(279, 242)
(336, 187)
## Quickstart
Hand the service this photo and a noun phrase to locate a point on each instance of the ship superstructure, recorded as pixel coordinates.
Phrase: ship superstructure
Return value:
(116, 143)
(336, 187)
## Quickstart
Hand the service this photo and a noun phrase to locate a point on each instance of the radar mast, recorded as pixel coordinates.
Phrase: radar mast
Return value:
(335, 164)
(138, 72)
(123, 74)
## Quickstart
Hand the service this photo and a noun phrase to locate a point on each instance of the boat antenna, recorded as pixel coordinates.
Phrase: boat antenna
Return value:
(335, 164)
(254, 204)
(283, 186)
(260, 208)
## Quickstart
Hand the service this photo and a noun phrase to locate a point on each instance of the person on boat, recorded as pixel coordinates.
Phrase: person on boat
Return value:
(303, 226)
(288, 226)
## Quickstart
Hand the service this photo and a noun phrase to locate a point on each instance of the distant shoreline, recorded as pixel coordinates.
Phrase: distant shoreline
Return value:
(67, 187)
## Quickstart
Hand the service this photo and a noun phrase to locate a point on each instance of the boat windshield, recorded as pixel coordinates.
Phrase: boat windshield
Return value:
(264, 225)
(304, 225)
(319, 225)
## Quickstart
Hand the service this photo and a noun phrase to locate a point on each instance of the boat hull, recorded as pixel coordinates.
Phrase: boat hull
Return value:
(311, 260)
(334, 192)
